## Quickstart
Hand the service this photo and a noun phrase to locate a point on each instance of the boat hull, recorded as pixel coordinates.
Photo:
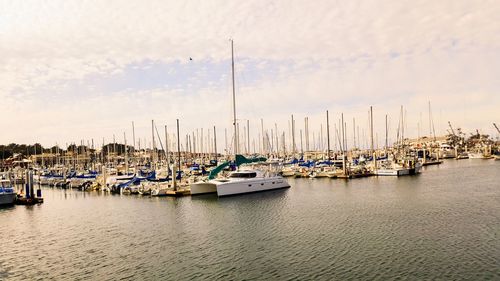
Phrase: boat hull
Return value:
(250, 186)
(203, 188)
(7, 199)
(392, 172)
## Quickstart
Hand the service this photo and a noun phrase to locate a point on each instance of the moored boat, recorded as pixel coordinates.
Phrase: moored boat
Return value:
(7, 194)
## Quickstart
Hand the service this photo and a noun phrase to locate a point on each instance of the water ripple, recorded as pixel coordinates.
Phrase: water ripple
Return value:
(443, 224)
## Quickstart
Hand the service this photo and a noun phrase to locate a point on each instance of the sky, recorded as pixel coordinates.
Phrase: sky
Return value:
(82, 70)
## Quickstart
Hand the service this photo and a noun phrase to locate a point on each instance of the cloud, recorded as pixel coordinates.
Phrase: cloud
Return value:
(86, 68)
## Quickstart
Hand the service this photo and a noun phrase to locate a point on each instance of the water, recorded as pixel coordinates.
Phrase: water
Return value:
(443, 224)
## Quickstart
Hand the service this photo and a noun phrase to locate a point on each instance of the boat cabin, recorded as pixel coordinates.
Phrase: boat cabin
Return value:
(243, 174)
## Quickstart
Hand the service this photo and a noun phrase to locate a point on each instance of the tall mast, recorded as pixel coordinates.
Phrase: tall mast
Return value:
(167, 159)
(178, 154)
(126, 154)
(344, 164)
(234, 103)
(293, 136)
(153, 146)
(371, 136)
(215, 145)
(263, 139)
(386, 134)
(328, 133)
(248, 136)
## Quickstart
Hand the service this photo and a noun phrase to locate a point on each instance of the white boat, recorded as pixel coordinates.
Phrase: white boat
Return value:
(240, 182)
(392, 172)
(446, 151)
(7, 193)
(395, 169)
(322, 172)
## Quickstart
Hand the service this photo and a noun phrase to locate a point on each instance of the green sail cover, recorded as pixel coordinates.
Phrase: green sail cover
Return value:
(240, 159)
(217, 170)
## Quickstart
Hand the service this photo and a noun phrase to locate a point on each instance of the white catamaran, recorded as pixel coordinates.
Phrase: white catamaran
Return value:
(240, 181)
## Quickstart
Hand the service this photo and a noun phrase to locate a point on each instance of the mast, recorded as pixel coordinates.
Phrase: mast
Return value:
(328, 134)
(126, 154)
(215, 145)
(371, 136)
(178, 154)
(234, 103)
(293, 136)
(386, 135)
(133, 136)
(344, 165)
(166, 151)
(431, 122)
(153, 141)
(248, 136)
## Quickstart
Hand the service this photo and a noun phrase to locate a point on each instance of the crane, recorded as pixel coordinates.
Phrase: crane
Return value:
(496, 127)
(452, 131)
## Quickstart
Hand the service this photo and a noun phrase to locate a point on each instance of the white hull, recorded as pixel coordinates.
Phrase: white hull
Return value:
(250, 185)
(203, 188)
(319, 175)
(392, 172)
(7, 198)
(398, 171)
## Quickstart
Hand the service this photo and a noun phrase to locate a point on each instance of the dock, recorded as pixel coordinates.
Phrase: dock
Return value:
(178, 193)
(28, 201)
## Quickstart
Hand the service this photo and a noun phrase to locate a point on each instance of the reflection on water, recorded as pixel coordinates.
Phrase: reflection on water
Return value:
(442, 224)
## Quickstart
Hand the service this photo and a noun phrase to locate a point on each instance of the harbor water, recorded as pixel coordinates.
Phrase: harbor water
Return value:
(442, 224)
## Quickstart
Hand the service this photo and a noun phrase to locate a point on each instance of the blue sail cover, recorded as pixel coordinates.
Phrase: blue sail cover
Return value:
(308, 164)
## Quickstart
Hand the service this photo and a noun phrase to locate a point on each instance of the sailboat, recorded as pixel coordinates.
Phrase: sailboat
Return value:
(242, 180)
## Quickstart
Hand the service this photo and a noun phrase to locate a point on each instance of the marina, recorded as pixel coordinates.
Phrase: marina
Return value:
(249, 140)
(156, 172)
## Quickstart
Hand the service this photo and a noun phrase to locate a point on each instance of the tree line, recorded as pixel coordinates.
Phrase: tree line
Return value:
(9, 150)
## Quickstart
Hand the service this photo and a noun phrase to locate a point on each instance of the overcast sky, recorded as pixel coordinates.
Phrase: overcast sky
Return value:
(73, 70)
